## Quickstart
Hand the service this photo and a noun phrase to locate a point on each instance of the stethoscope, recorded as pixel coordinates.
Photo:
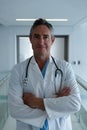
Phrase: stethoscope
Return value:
(56, 72)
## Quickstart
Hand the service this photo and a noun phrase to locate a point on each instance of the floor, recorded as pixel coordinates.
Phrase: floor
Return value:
(11, 124)
(75, 123)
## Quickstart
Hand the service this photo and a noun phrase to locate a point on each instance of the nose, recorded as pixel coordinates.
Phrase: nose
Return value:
(41, 40)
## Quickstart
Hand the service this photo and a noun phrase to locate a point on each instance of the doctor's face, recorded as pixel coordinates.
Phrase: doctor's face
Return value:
(41, 40)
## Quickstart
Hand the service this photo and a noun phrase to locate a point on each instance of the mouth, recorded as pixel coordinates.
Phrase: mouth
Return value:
(41, 47)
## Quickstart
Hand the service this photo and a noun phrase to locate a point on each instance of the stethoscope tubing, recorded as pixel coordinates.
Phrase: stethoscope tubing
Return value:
(56, 71)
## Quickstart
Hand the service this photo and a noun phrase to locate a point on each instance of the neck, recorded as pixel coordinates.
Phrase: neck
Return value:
(41, 61)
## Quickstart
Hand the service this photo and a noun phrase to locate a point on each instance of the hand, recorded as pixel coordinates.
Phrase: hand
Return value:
(32, 101)
(29, 99)
(64, 92)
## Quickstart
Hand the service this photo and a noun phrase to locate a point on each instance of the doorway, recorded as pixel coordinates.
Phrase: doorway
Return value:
(59, 49)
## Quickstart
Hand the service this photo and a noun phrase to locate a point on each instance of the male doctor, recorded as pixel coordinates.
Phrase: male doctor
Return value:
(43, 91)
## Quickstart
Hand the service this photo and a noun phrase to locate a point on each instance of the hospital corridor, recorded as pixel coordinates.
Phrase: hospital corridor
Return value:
(69, 43)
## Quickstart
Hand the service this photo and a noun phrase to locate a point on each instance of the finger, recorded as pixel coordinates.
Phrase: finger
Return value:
(67, 89)
(66, 92)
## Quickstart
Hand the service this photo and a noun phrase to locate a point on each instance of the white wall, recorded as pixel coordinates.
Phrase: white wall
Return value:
(8, 46)
(78, 50)
(5, 49)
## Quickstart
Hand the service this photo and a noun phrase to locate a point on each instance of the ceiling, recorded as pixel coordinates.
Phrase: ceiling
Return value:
(74, 10)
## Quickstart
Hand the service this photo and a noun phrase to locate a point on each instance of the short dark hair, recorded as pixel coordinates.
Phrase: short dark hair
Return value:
(41, 21)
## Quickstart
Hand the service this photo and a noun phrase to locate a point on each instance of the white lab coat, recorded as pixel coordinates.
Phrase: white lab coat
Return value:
(58, 110)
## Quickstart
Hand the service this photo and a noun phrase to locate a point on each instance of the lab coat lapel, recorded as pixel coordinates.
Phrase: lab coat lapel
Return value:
(36, 69)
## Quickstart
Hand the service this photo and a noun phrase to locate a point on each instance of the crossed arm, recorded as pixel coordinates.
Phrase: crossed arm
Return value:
(35, 102)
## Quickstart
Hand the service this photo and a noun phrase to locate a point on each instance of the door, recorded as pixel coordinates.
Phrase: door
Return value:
(59, 49)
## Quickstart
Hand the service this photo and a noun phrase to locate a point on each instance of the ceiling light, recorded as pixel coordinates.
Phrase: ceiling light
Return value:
(25, 20)
(53, 20)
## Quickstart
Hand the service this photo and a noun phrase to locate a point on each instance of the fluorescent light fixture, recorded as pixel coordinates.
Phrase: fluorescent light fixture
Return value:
(25, 20)
(53, 20)
(56, 20)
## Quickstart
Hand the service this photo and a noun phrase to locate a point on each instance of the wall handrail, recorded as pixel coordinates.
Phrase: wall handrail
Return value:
(3, 77)
(82, 82)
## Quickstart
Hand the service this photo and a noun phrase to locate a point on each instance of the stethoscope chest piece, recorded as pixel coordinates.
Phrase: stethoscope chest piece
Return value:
(25, 81)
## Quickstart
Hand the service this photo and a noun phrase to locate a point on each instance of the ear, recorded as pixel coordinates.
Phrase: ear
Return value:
(30, 38)
(53, 39)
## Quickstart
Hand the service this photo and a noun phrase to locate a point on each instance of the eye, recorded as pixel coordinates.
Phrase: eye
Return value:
(46, 37)
(37, 36)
